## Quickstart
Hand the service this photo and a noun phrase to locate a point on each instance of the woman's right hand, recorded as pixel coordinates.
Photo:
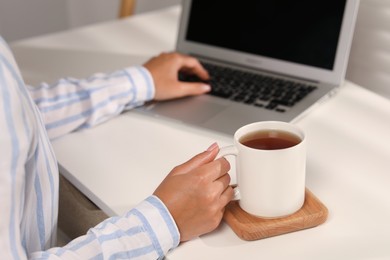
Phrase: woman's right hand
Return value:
(197, 192)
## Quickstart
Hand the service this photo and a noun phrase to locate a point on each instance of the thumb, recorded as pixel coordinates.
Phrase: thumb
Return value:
(198, 160)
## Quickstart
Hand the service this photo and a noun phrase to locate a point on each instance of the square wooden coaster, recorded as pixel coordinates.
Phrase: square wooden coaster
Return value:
(249, 227)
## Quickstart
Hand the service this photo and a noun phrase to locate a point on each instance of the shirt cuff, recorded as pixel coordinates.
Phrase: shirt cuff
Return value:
(141, 82)
(159, 224)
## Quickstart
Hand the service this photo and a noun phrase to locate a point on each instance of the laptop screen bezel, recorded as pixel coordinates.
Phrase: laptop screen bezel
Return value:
(334, 76)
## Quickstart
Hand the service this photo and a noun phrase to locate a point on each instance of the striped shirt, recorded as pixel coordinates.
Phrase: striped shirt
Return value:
(29, 118)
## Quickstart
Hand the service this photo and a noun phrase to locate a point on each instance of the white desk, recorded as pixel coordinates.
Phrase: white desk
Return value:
(348, 153)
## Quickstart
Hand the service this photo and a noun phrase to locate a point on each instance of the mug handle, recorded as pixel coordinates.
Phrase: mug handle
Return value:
(230, 150)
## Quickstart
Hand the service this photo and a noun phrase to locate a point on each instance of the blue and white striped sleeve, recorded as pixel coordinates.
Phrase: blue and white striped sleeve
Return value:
(29, 173)
(145, 232)
(71, 104)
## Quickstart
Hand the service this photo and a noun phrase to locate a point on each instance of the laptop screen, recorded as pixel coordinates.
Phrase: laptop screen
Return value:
(304, 32)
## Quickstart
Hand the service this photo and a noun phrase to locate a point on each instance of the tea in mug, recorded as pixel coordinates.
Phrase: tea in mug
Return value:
(270, 139)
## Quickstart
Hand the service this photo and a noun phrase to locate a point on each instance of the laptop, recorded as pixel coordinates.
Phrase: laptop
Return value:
(268, 60)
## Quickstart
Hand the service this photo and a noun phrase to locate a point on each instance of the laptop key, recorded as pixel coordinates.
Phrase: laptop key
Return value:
(252, 89)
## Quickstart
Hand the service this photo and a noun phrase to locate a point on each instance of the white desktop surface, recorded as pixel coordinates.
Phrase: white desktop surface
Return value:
(119, 163)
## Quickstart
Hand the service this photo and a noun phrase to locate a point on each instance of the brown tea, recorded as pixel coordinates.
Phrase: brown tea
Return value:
(270, 140)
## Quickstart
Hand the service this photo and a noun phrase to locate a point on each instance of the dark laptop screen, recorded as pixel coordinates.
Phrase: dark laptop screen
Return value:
(304, 32)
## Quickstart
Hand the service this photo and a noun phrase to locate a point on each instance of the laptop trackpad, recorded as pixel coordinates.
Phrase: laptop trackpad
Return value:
(193, 110)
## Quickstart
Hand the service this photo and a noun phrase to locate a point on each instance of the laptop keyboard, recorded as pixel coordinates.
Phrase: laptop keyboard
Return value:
(253, 89)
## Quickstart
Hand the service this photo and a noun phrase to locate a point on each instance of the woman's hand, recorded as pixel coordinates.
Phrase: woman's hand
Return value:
(165, 69)
(197, 192)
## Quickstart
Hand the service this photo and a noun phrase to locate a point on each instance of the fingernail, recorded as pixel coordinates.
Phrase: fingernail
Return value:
(212, 147)
(206, 87)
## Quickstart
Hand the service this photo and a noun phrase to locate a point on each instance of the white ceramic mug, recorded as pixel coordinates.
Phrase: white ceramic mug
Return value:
(270, 183)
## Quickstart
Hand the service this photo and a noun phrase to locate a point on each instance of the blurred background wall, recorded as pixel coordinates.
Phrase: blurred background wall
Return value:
(27, 18)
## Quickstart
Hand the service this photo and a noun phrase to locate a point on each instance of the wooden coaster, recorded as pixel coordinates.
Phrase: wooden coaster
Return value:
(249, 227)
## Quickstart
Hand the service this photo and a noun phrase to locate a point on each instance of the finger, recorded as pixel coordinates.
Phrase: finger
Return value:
(223, 182)
(190, 89)
(227, 196)
(193, 66)
(198, 160)
(215, 169)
